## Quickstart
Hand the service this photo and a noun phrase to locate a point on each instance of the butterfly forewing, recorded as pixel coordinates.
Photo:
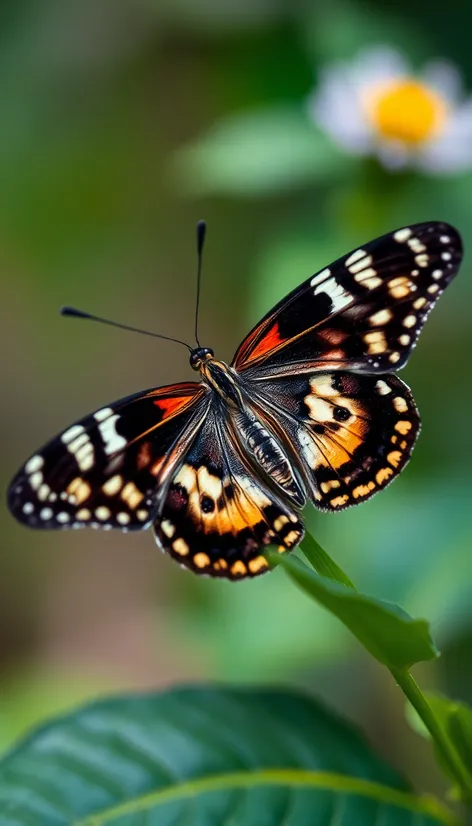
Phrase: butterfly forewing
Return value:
(105, 469)
(363, 313)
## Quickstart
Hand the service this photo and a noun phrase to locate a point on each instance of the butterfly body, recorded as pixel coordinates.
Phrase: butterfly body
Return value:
(254, 437)
(308, 410)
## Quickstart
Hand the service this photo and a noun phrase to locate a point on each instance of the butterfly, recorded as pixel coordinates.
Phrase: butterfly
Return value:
(308, 410)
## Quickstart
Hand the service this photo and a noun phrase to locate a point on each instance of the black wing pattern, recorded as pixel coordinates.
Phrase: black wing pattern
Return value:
(351, 434)
(218, 514)
(362, 313)
(105, 470)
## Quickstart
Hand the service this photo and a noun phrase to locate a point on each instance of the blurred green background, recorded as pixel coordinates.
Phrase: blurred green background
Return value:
(113, 116)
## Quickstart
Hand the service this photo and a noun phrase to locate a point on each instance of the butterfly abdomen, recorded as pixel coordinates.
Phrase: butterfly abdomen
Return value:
(266, 450)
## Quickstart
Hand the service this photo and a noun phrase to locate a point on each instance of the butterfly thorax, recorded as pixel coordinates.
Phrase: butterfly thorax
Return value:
(223, 380)
(254, 436)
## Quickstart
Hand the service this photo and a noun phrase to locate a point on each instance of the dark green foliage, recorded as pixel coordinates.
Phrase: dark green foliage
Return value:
(204, 756)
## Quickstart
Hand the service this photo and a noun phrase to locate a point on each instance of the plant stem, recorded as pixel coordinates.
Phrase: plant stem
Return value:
(322, 562)
(412, 691)
(325, 566)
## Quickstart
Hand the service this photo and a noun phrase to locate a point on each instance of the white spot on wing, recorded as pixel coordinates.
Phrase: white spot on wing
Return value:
(113, 441)
(84, 456)
(113, 485)
(368, 280)
(102, 414)
(402, 235)
(400, 404)
(382, 388)
(416, 245)
(309, 449)
(321, 276)
(422, 259)
(71, 434)
(365, 274)
(83, 514)
(35, 463)
(74, 445)
(43, 492)
(103, 512)
(381, 317)
(361, 265)
(36, 479)
(338, 295)
(168, 528)
(355, 257)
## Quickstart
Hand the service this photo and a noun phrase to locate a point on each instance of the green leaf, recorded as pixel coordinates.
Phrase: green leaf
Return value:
(206, 756)
(322, 562)
(456, 719)
(258, 154)
(386, 630)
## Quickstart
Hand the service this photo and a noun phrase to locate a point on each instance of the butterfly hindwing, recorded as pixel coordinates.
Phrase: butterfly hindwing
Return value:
(363, 313)
(352, 434)
(218, 514)
(105, 469)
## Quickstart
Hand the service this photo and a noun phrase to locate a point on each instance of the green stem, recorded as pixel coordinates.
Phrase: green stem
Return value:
(322, 562)
(325, 566)
(412, 691)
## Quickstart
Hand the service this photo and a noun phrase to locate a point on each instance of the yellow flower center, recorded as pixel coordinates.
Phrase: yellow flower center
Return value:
(407, 110)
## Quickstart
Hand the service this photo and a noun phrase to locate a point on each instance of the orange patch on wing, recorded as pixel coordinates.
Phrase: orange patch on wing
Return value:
(268, 341)
(332, 335)
(340, 446)
(228, 516)
(172, 404)
(235, 516)
(144, 455)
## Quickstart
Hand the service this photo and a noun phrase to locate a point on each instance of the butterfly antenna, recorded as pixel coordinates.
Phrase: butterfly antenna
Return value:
(201, 233)
(72, 311)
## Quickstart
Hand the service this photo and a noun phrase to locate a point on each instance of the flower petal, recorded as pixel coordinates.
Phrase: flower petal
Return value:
(445, 78)
(451, 151)
(377, 64)
(336, 108)
(394, 155)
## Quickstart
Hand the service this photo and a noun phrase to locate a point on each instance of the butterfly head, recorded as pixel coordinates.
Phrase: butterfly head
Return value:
(199, 356)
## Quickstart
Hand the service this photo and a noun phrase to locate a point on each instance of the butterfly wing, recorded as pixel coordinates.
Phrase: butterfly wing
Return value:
(105, 470)
(362, 313)
(218, 515)
(351, 434)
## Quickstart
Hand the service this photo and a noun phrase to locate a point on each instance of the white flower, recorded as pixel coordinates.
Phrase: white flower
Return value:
(376, 105)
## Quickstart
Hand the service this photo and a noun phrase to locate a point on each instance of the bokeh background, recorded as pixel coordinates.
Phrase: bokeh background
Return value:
(114, 124)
